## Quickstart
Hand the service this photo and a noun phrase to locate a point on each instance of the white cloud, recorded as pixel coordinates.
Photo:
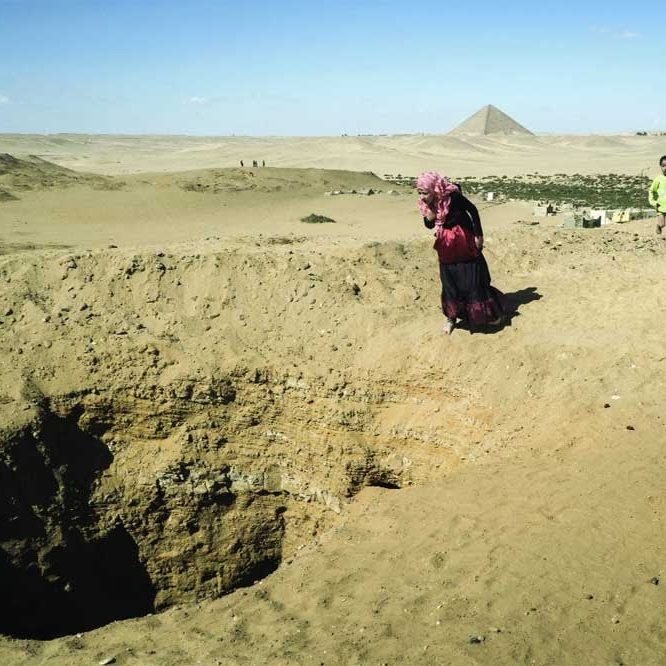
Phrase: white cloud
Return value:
(4, 99)
(197, 100)
(617, 33)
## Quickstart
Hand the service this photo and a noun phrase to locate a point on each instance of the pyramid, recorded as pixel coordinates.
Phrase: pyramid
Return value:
(489, 120)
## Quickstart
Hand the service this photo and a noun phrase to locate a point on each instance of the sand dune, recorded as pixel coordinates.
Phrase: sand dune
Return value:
(406, 154)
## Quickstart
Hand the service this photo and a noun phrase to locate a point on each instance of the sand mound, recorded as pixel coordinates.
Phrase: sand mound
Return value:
(7, 196)
(271, 180)
(34, 173)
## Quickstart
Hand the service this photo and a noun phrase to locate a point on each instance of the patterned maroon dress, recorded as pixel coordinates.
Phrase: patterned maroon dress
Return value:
(466, 290)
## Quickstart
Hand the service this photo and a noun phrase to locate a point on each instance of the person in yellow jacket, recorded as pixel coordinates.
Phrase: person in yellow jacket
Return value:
(657, 195)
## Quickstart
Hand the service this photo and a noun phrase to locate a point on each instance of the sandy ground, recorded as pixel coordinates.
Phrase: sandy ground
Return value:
(404, 154)
(542, 542)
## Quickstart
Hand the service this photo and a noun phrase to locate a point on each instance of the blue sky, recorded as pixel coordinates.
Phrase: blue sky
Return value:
(326, 68)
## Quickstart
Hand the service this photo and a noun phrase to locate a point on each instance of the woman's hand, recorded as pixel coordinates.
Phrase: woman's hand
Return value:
(430, 215)
(479, 242)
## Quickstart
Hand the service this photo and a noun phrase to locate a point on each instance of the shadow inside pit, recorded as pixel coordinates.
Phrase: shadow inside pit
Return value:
(88, 584)
(60, 572)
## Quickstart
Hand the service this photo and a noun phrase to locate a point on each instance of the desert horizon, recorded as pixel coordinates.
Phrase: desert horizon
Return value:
(405, 154)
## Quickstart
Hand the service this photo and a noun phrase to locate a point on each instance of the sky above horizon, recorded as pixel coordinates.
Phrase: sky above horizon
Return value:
(295, 68)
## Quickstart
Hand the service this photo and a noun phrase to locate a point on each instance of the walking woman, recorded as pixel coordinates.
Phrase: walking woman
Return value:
(466, 290)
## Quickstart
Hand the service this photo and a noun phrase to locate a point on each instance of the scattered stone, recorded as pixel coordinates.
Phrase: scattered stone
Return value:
(630, 427)
(655, 580)
(9, 312)
(606, 405)
(108, 660)
(589, 597)
(615, 619)
(476, 639)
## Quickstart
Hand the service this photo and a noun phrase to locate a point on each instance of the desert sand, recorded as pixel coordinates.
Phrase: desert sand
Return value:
(406, 154)
(247, 434)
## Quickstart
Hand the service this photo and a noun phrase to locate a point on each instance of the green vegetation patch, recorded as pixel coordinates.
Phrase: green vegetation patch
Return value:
(593, 191)
(314, 218)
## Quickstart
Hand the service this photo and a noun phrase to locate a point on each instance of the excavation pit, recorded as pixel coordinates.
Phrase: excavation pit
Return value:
(118, 508)
(162, 445)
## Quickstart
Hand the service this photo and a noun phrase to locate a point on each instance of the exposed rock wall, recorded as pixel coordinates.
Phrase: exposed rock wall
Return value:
(176, 493)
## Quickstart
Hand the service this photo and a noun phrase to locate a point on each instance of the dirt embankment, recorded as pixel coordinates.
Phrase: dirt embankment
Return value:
(178, 448)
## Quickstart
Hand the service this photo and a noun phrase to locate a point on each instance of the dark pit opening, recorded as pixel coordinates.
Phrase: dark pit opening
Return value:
(85, 585)
(74, 557)
(96, 526)
(60, 572)
(388, 485)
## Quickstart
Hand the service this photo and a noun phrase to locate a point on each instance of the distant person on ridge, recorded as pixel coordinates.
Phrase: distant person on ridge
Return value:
(657, 196)
(466, 290)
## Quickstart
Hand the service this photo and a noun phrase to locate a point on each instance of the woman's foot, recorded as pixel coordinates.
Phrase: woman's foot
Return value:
(449, 326)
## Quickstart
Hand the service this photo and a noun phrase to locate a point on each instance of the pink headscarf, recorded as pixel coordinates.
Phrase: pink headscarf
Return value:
(431, 181)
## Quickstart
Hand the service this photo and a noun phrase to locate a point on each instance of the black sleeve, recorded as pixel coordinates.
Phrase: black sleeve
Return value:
(428, 223)
(473, 214)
